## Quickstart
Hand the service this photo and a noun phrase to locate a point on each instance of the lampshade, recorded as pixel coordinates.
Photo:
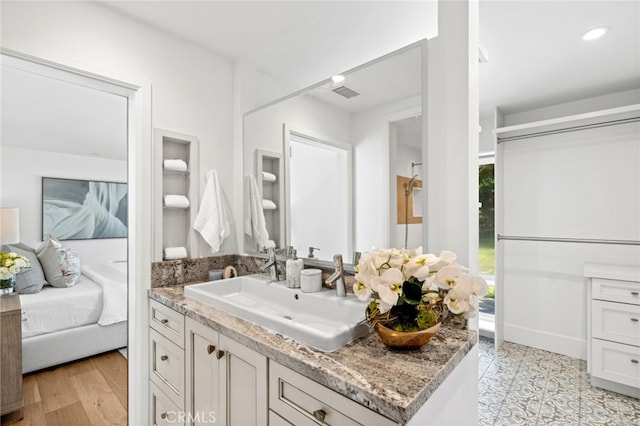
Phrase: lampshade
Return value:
(9, 226)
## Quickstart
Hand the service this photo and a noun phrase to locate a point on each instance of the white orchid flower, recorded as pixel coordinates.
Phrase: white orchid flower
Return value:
(431, 298)
(479, 287)
(388, 286)
(446, 277)
(417, 267)
(362, 291)
(456, 301)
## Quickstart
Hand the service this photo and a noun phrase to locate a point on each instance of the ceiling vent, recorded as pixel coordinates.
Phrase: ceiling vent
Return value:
(346, 92)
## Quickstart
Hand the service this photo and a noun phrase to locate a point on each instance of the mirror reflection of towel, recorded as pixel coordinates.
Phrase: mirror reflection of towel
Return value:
(254, 222)
(213, 221)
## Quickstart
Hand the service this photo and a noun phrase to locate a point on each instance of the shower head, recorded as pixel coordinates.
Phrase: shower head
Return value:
(409, 186)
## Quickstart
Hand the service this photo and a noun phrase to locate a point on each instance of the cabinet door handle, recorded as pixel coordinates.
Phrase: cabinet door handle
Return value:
(634, 319)
(163, 415)
(220, 354)
(320, 415)
(635, 293)
(164, 321)
(635, 361)
(210, 349)
(164, 358)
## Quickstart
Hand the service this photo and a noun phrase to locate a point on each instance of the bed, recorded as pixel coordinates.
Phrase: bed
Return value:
(65, 324)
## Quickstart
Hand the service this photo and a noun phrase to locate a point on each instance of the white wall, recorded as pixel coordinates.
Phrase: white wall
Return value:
(372, 170)
(21, 178)
(583, 184)
(192, 87)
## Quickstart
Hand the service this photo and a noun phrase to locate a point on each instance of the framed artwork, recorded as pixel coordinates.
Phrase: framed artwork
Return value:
(74, 209)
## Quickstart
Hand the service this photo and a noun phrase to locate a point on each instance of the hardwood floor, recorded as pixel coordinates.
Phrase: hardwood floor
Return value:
(92, 391)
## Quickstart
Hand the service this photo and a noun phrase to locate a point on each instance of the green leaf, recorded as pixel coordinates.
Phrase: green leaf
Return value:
(412, 292)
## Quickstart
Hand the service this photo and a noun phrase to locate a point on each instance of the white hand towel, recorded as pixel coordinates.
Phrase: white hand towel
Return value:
(171, 253)
(268, 177)
(176, 201)
(268, 204)
(254, 223)
(176, 165)
(214, 218)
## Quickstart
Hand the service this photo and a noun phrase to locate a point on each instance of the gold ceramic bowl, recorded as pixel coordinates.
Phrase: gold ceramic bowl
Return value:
(405, 340)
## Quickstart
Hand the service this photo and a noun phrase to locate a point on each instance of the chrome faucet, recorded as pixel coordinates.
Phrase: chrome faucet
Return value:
(337, 277)
(271, 264)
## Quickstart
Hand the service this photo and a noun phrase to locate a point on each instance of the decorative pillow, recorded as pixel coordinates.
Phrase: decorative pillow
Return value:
(29, 280)
(61, 265)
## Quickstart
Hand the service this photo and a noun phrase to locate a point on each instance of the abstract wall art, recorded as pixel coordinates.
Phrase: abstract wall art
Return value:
(74, 209)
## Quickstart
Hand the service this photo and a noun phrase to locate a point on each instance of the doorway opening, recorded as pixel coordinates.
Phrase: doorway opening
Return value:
(486, 253)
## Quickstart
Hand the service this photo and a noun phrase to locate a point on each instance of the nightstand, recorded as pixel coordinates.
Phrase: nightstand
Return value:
(11, 399)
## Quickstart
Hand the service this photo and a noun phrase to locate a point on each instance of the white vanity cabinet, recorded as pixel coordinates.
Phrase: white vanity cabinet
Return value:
(297, 400)
(613, 352)
(166, 365)
(225, 380)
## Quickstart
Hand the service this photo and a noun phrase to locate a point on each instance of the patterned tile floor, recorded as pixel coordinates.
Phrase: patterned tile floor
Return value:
(520, 385)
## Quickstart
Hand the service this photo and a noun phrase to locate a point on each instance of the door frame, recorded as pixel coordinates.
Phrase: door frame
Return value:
(139, 137)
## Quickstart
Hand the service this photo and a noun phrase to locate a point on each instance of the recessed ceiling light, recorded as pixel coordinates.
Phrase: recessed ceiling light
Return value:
(594, 33)
(338, 78)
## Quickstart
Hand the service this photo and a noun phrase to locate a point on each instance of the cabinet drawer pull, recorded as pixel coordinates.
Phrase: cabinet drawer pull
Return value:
(320, 415)
(635, 361)
(164, 321)
(163, 415)
(635, 293)
(210, 349)
(220, 354)
(164, 358)
(634, 319)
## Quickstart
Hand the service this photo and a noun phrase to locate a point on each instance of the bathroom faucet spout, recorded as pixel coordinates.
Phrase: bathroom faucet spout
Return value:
(338, 277)
(271, 265)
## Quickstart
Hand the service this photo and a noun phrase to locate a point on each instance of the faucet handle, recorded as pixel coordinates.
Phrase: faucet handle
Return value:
(311, 249)
(337, 260)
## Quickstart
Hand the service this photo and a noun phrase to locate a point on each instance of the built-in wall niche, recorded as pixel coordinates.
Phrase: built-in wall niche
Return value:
(269, 177)
(175, 195)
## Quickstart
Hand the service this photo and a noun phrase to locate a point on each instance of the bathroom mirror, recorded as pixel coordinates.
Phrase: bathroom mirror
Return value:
(327, 159)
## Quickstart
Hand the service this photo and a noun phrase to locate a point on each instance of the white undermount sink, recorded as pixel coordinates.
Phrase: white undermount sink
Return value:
(322, 320)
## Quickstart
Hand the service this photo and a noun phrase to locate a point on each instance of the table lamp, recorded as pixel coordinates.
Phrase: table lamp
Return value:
(9, 226)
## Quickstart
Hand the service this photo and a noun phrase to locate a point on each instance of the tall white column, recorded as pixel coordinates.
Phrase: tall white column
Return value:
(452, 125)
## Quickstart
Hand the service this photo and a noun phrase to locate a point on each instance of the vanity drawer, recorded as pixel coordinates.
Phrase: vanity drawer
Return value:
(617, 322)
(616, 291)
(163, 411)
(299, 400)
(167, 367)
(167, 322)
(616, 362)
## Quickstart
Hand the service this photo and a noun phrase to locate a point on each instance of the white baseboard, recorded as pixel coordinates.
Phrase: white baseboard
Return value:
(545, 340)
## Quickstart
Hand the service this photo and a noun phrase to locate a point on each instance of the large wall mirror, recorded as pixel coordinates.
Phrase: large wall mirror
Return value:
(338, 166)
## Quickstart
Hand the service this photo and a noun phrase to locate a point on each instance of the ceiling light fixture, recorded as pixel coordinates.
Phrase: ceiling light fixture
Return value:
(339, 78)
(594, 33)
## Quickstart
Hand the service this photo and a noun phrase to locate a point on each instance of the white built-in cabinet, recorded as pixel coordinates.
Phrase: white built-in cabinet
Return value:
(273, 191)
(173, 226)
(613, 355)
(225, 379)
(199, 376)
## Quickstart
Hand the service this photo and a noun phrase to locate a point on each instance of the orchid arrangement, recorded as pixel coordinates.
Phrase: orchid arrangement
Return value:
(412, 291)
(10, 264)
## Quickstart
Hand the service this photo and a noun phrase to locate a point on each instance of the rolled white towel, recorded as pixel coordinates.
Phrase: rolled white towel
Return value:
(177, 165)
(176, 201)
(268, 205)
(171, 253)
(268, 177)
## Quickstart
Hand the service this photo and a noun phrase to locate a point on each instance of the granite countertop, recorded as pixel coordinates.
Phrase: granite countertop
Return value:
(394, 384)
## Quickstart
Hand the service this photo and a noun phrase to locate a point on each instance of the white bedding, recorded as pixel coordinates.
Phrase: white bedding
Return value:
(55, 309)
(99, 296)
(112, 277)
